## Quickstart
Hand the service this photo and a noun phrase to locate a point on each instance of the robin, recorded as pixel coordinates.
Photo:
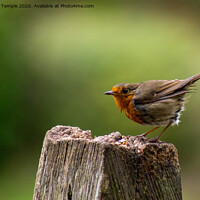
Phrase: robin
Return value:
(154, 102)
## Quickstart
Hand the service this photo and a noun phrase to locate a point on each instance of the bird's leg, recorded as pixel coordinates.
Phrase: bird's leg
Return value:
(144, 134)
(163, 131)
(156, 139)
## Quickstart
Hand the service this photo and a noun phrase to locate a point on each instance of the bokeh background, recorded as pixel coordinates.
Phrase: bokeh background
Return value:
(56, 65)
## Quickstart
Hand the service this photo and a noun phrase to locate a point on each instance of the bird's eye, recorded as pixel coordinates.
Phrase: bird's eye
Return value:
(125, 91)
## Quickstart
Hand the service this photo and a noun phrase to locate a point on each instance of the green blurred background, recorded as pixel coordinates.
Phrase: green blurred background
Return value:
(56, 65)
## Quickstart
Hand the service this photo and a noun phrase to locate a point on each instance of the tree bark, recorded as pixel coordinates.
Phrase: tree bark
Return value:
(73, 166)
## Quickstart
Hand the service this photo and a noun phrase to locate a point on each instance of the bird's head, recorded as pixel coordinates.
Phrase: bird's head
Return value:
(123, 94)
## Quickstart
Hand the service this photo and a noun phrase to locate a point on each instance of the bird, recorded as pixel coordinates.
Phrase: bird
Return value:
(154, 102)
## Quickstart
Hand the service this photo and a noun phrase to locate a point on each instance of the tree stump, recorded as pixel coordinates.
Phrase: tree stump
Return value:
(73, 166)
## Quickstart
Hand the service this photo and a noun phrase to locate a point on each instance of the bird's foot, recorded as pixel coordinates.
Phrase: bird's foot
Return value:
(143, 135)
(153, 140)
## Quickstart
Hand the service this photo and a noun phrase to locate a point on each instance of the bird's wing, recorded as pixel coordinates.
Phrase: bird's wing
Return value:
(155, 90)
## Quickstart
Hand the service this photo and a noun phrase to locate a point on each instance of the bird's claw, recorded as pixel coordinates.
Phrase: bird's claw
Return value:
(143, 135)
(153, 140)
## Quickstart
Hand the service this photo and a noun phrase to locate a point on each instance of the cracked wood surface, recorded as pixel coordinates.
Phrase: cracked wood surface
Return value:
(73, 166)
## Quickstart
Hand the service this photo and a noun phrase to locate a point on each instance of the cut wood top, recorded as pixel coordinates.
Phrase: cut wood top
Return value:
(159, 151)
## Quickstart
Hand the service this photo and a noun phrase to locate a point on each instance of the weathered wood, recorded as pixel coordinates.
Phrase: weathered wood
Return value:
(73, 166)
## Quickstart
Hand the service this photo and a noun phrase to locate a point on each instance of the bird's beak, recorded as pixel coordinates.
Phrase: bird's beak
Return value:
(109, 93)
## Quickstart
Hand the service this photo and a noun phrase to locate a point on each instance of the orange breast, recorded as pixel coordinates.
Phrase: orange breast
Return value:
(133, 114)
(125, 104)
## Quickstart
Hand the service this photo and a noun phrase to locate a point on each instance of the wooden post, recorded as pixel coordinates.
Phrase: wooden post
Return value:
(73, 166)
